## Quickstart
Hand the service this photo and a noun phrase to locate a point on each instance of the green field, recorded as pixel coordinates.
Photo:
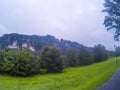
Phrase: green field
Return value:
(77, 78)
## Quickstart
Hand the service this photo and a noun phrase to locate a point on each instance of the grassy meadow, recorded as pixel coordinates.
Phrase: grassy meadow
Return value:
(76, 78)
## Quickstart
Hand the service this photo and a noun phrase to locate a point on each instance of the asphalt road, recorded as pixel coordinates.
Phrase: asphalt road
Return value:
(113, 83)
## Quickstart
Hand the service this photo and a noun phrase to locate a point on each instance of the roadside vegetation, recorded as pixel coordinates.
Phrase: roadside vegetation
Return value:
(52, 69)
(23, 62)
(75, 78)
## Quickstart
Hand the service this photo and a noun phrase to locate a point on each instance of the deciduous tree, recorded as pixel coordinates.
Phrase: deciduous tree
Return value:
(51, 59)
(112, 19)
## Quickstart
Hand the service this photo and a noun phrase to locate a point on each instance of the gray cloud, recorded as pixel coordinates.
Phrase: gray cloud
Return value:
(76, 20)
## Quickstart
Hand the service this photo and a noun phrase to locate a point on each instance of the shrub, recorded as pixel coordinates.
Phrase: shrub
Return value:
(71, 57)
(100, 53)
(51, 59)
(18, 62)
(84, 57)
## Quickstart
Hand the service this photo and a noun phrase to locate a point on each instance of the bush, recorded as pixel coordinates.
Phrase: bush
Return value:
(84, 57)
(71, 57)
(17, 62)
(51, 59)
(100, 53)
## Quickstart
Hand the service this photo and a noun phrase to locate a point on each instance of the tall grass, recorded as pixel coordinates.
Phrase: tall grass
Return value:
(76, 78)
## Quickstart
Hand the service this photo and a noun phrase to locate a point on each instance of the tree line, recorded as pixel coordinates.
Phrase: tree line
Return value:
(24, 62)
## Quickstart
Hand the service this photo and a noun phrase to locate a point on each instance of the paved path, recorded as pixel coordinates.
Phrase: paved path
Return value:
(113, 83)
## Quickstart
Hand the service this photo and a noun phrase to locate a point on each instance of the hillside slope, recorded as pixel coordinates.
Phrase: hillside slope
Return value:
(77, 78)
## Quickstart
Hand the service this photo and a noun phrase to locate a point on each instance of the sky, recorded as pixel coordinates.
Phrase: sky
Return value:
(75, 20)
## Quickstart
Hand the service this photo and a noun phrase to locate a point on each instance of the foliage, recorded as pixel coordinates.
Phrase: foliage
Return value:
(112, 19)
(84, 57)
(51, 59)
(64, 60)
(17, 62)
(111, 53)
(71, 57)
(100, 53)
(117, 51)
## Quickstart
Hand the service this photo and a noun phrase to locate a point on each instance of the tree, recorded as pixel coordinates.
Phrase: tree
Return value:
(117, 51)
(100, 53)
(112, 20)
(18, 62)
(51, 59)
(111, 53)
(84, 57)
(71, 57)
(2, 55)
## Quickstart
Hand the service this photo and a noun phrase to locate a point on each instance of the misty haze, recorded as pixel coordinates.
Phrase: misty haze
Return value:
(59, 44)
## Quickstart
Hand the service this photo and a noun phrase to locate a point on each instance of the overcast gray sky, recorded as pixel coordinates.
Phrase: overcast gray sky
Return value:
(75, 20)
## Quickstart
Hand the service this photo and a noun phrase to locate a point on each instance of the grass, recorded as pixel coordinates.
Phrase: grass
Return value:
(77, 78)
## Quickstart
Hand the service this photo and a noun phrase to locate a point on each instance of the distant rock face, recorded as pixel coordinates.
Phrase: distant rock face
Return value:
(14, 45)
(24, 45)
(35, 43)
